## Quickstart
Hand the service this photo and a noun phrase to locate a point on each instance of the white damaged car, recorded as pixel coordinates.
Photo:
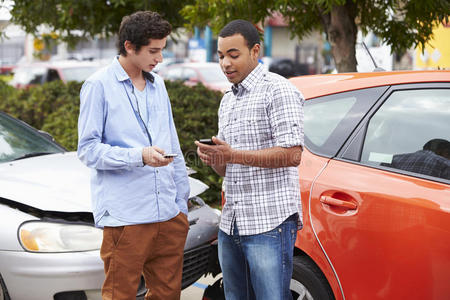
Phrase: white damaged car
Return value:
(49, 247)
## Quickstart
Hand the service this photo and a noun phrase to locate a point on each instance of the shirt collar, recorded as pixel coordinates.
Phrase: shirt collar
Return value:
(251, 80)
(121, 75)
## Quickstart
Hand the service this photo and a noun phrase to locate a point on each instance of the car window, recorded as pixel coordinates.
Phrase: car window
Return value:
(18, 140)
(411, 132)
(330, 120)
(53, 75)
(322, 119)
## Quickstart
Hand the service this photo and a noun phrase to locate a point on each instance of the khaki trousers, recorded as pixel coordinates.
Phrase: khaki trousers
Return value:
(154, 250)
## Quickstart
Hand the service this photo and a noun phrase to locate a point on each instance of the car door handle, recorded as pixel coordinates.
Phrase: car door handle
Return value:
(338, 202)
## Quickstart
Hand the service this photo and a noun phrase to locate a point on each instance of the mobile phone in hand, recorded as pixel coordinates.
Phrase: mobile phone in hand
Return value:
(169, 155)
(207, 141)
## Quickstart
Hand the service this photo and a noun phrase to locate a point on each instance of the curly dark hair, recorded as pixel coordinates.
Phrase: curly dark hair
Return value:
(139, 28)
(244, 28)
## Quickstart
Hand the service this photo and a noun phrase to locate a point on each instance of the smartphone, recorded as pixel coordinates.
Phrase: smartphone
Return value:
(207, 141)
(169, 155)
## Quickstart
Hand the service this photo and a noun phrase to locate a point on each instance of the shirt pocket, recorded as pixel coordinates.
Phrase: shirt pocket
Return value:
(254, 132)
(158, 108)
(224, 126)
(158, 118)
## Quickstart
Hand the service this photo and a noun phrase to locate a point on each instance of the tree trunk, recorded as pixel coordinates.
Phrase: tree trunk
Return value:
(341, 31)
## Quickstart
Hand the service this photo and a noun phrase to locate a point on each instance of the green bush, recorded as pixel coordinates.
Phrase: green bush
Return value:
(6, 91)
(195, 114)
(54, 108)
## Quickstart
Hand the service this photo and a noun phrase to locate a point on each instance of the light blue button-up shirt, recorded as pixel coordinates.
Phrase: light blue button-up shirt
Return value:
(111, 137)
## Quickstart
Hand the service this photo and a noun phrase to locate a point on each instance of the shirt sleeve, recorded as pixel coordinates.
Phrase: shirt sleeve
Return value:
(225, 98)
(91, 151)
(285, 111)
(220, 132)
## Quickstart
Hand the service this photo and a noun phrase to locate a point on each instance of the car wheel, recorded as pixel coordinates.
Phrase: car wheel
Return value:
(3, 291)
(308, 282)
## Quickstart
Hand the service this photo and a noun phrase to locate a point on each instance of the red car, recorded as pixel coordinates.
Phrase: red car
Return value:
(375, 185)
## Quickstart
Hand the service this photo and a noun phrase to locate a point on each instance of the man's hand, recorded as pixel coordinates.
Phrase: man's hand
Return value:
(153, 156)
(217, 156)
(214, 155)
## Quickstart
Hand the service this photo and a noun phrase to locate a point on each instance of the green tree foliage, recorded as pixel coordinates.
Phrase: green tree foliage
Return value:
(54, 108)
(402, 24)
(75, 19)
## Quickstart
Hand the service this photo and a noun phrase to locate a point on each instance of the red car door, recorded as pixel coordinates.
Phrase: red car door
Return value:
(387, 235)
(385, 227)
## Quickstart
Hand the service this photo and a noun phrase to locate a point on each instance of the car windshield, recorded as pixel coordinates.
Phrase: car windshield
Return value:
(18, 140)
(213, 74)
(78, 73)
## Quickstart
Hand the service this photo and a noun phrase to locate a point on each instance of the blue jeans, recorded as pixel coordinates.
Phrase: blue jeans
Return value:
(258, 266)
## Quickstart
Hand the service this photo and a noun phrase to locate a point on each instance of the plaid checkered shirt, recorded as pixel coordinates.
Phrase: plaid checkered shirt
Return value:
(423, 162)
(265, 110)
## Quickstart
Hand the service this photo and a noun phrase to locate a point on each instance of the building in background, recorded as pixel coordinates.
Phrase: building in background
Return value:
(306, 53)
(436, 53)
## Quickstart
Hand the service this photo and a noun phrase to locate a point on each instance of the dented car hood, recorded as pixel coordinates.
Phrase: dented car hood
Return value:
(56, 182)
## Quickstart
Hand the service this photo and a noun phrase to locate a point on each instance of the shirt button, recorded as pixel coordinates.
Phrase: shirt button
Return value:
(157, 171)
(235, 182)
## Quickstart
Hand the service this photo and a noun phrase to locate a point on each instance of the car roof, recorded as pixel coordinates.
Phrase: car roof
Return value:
(313, 86)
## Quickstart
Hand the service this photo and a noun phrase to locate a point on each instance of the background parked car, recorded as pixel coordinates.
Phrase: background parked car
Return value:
(49, 246)
(6, 67)
(288, 68)
(167, 61)
(209, 74)
(375, 187)
(40, 73)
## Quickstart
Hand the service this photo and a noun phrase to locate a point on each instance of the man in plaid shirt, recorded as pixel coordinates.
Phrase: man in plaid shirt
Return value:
(431, 161)
(258, 149)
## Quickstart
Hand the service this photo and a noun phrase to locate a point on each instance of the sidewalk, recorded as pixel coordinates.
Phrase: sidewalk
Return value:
(195, 291)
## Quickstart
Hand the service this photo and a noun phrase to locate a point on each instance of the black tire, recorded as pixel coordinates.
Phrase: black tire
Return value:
(3, 291)
(308, 282)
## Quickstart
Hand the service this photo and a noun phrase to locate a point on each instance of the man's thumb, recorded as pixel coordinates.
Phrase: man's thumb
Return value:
(217, 141)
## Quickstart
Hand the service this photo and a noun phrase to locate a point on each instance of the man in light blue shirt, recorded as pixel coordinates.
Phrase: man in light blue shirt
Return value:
(139, 195)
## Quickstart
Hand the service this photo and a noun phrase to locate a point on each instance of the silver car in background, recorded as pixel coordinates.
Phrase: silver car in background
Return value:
(49, 247)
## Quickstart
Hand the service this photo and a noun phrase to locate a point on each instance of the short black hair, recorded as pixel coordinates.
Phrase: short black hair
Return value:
(436, 145)
(139, 28)
(243, 27)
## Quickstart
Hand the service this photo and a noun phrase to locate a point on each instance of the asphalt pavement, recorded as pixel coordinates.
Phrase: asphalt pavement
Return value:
(195, 291)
